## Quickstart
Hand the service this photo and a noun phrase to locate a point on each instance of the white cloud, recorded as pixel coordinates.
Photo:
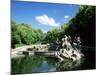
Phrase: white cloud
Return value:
(45, 20)
(66, 16)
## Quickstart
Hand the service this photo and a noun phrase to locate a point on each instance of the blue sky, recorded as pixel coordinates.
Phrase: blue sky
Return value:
(42, 15)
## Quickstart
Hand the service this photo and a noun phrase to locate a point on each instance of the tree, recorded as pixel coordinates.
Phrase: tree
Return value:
(25, 34)
(83, 25)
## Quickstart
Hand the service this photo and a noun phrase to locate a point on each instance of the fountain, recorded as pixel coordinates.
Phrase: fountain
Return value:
(69, 51)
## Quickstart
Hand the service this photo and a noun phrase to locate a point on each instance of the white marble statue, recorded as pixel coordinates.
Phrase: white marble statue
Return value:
(68, 51)
(66, 42)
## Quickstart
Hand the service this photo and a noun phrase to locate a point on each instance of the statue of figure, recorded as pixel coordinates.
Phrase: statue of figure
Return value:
(77, 43)
(66, 42)
(63, 42)
(78, 40)
(69, 39)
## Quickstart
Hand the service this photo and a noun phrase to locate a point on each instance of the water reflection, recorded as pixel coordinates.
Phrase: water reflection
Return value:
(26, 64)
(44, 68)
(64, 65)
(36, 64)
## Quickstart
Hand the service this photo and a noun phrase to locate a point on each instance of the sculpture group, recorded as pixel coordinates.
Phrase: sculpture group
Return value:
(70, 51)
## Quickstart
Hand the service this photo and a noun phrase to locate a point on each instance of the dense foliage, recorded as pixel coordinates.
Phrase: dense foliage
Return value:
(83, 25)
(55, 35)
(25, 34)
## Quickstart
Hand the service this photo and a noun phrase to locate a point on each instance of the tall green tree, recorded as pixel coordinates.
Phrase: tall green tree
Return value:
(24, 34)
(83, 25)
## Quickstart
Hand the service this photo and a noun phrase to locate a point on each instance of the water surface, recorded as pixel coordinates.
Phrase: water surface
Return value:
(39, 64)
